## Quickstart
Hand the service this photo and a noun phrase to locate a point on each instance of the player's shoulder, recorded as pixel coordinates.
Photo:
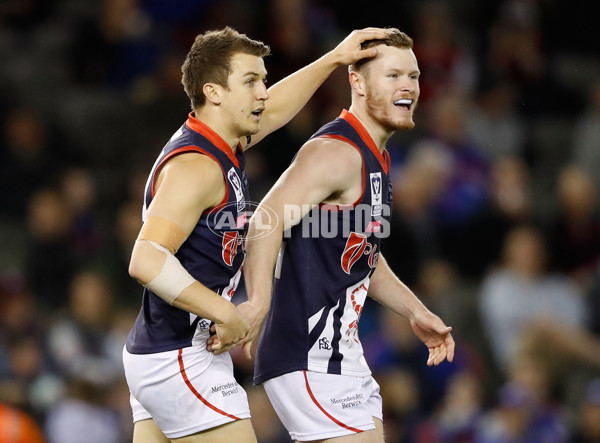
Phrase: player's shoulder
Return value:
(193, 177)
(331, 153)
(193, 160)
(193, 168)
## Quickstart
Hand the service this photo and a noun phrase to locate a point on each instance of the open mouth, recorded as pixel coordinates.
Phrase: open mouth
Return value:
(404, 103)
(258, 112)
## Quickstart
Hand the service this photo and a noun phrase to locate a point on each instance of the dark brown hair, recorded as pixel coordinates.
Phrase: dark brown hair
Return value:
(396, 38)
(209, 60)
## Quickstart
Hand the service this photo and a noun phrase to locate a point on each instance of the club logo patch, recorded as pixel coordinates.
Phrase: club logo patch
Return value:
(355, 248)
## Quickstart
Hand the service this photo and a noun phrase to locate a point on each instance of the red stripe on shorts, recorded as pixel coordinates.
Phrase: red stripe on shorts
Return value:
(335, 420)
(196, 393)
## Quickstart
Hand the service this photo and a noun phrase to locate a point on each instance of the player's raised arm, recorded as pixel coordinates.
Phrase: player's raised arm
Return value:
(187, 185)
(288, 96)
(388, 290)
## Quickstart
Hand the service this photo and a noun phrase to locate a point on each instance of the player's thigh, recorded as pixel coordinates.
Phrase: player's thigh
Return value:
(372, 436)
(182, 393)
(239, 431)
(316, 406)
(146, 431)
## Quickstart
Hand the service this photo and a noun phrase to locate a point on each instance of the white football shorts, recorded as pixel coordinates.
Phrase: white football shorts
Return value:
(315, 406)
(185, 390)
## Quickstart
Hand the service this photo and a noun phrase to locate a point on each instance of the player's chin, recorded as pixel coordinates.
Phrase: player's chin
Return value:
(253, 128)
(404, 124)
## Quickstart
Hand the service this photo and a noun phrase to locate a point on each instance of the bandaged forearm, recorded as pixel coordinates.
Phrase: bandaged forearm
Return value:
(172, 279)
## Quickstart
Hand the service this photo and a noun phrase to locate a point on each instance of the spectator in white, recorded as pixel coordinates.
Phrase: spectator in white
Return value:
(521, 295)
(493, 124)
(83, 416)
(83, 343)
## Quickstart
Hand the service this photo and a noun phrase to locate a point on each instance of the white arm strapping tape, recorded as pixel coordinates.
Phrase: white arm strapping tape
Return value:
(172, 279)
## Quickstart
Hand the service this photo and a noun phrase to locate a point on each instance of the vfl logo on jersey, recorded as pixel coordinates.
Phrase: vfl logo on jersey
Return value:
(376, 193)
(231, 242)
(357, 246)
(236, 184)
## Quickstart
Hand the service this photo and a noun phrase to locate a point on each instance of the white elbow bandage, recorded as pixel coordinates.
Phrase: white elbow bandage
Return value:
(172, 279)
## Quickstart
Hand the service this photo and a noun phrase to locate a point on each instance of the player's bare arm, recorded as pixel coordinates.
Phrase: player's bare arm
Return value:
(387, 289)
(308, 181)
(186, 186)
(290, 95)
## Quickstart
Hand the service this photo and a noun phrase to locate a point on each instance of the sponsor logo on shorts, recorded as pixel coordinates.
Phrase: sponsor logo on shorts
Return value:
(349, 401)
(227, 389)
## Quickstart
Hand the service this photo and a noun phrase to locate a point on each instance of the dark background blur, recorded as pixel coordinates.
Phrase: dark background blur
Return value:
(495, 222)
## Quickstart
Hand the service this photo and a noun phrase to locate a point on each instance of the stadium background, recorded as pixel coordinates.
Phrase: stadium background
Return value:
(495, 222)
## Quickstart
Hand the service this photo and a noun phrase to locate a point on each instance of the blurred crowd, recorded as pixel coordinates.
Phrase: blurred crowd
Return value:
(496, 217)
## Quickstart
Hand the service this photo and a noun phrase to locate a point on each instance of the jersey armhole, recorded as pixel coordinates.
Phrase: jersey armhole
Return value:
(184, 150)
(362, 159)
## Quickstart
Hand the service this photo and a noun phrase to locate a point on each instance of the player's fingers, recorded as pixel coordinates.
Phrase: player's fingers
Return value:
(431, 356)
(436, 356)
(212, 344)
(229, 347)
(443, 329)
(450, 345)
(372, 34)
(441, 354)
(246, 348)
(221, 346)
(366, 53)
(371, 28)
(220, 349)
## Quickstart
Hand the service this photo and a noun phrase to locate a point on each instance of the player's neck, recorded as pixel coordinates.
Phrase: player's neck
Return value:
(212, 119)
(377, 132)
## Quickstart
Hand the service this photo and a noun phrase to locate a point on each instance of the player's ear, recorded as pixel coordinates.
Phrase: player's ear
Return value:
(357, 82)
(212, 92)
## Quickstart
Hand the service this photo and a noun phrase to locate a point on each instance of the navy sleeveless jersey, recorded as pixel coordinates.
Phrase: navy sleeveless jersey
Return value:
(213, 253)
(323, 272)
